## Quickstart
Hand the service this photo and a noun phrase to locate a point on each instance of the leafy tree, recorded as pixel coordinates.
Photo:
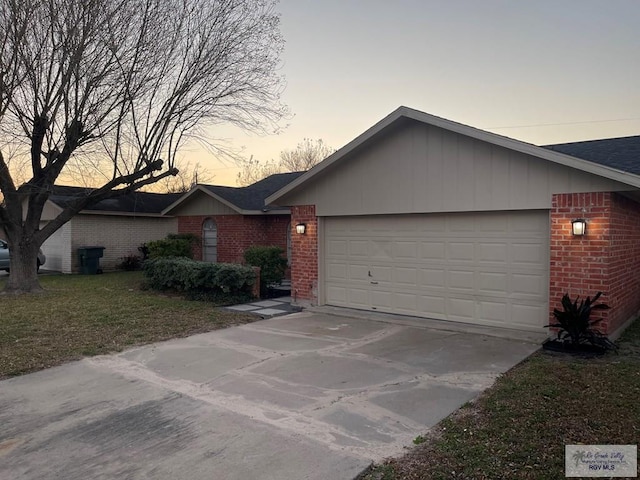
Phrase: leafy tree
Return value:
(307, 154)
(110, 90)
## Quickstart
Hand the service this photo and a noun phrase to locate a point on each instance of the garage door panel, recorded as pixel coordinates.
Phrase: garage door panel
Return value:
(527, 315)
(533, 285)
(494, 225)
(337, 247)
(337, 296)
(461, 251)
(433, 250)
(358, 272)
(381, 250)
(494, 311)
(358, 297)
(461, 280)
(432, 306)
(527, 253)
(433, 278)
(493, 282)
(494, 252)
(463, 309)
(405, 276)
(358, 248)
(336, 272)
(485, 268)
(405, 303)
(406, 250)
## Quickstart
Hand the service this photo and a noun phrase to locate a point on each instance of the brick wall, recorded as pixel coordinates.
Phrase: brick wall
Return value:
(304, 262)
(606, 259)
(236, 233)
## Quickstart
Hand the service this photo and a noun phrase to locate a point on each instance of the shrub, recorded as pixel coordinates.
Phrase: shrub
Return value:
(574, 323)
(168, 247)
(272, 264)
(192, 238)
(191, 276)
(130, 263)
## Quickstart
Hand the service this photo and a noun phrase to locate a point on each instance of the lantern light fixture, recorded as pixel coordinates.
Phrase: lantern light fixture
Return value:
(579, 226)
(301, 228)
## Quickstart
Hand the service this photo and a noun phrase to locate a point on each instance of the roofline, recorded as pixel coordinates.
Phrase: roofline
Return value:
(204, 190)
(492, 138)
(123, 214)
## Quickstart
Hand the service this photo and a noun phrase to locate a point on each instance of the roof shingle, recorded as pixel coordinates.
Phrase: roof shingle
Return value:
(620, 153)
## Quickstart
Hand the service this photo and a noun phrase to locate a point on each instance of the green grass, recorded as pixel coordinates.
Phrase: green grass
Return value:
(80, 315)
(518, 428)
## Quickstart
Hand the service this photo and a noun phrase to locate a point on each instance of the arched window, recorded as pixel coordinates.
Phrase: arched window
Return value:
(209, 241)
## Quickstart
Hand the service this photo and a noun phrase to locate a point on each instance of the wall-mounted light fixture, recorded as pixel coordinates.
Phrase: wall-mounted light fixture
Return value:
(301, 228)
(579, 226)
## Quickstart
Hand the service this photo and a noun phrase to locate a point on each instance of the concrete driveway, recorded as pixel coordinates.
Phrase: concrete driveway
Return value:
(304, 396)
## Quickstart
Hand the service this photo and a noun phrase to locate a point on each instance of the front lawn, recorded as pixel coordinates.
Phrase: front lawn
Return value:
(518, 428)
(81, 315)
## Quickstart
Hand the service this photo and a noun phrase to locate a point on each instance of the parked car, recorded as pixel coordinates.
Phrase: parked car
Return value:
(5, 255)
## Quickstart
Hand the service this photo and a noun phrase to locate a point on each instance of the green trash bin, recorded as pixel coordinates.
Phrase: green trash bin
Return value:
(90, 260)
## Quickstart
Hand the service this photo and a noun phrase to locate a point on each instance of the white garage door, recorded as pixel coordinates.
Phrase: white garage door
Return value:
(482, 268)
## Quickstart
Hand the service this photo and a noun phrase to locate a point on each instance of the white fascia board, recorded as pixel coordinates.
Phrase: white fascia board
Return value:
(123, 214)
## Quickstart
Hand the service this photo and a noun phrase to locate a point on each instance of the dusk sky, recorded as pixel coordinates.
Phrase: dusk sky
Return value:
(544, 71)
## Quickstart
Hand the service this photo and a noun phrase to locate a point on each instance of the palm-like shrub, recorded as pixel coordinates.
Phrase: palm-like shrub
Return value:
(574, 323)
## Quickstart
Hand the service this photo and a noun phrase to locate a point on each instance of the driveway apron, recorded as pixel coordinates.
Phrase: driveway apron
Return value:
(303, 396)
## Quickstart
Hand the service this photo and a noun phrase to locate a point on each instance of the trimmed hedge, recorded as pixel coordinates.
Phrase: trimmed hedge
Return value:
(191, 276)
(272, 264)
(175, 245)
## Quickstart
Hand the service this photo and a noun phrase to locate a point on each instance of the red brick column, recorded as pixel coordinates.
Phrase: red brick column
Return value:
(606, 259)
(304, 255)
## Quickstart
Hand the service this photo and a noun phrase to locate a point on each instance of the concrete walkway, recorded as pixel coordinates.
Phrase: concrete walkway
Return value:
(272, 307)
(303, 396)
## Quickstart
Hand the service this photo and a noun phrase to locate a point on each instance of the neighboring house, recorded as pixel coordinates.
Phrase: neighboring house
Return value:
(120, 225)
(426, 217)
(231, 219)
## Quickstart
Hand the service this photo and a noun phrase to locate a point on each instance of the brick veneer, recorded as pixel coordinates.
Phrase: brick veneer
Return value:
(606, 259)
(304, 261)
(236, 233)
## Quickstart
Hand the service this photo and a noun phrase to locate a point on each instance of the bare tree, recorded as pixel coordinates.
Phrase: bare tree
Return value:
(253, 171)
(307, 154)
(113, 88)
(185, 180)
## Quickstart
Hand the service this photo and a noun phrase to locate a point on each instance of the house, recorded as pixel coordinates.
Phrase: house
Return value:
(425, 217)
(231, 219)
(119, 224)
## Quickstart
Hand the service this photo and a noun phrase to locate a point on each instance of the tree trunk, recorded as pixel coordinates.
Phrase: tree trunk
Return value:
(23, 275)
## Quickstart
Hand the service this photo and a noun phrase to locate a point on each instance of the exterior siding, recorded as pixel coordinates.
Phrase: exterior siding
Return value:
(236, 233)
(304, 261)
(606, 259)
(202, 204)
(120, 235)
(418, 168)
(58, 257)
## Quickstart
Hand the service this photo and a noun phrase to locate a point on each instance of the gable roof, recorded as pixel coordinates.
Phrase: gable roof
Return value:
(620, 153)
(401, 113)
(138, 203)
(249, 200)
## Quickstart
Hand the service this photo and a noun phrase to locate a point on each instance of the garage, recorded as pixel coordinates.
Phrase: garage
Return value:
(488, 268)
(427, 218)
